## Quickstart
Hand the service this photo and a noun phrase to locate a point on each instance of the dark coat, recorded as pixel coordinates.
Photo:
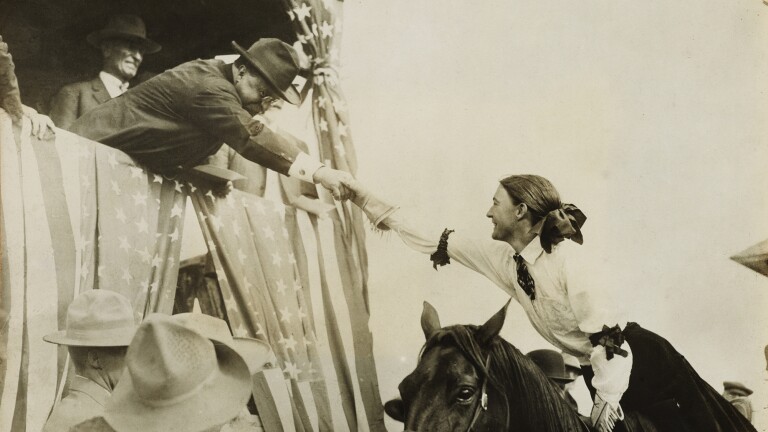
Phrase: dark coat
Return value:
(74, 100)
(177, 119)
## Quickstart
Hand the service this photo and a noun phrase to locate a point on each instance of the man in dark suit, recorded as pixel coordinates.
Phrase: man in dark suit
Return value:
(123, 43)
(177, 119)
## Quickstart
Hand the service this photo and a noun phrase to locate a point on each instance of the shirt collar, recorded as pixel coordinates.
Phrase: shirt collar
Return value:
(113, 84)
(532, 251)
(90, 388)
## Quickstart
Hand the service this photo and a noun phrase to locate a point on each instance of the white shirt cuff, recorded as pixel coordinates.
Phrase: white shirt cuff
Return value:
(304, 167)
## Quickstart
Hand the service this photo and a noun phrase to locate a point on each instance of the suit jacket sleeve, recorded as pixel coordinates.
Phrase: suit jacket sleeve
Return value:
(218, 110)
(64, 107)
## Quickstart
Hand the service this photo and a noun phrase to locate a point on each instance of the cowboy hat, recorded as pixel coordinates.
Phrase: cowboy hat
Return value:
(552, 364)
(175, 380)
(257, 354)
(277, 62)
(127, 27)
(97, 318)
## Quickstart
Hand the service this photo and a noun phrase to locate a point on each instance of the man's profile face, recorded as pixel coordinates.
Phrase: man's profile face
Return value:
(253, 91)
(122, 58)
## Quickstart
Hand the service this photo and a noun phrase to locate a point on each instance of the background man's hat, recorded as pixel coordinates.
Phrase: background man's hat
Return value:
(257, 354)
(97, 318)
(176, 381)
(737, 388)
(278, 64)
(128, 27)
(551, 363)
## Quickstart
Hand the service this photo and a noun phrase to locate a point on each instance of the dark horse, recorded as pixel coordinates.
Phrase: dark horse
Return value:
(470, 379)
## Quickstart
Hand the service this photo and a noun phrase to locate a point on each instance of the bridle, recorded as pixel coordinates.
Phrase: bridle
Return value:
(482, 402)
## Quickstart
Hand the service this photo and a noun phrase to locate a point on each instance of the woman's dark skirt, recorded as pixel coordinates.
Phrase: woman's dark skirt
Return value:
(664, 388)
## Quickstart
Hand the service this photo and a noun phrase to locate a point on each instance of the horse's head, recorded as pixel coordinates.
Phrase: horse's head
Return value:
(449, 390)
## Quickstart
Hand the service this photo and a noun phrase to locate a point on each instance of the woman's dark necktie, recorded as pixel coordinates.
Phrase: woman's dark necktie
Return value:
(524, 278)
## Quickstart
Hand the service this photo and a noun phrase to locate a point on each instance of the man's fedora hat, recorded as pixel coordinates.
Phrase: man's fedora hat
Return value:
(257, 354)
(176, 381)
(278, 64)
(128, 27)
(97, 318)
(737, 388)
(551, 363)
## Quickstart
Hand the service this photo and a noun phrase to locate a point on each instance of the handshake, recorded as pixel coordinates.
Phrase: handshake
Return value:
(341, 184)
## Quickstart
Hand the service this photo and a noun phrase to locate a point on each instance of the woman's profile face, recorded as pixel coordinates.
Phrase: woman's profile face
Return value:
(502, 215)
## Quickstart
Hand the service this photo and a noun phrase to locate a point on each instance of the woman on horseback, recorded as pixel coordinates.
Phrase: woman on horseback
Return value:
(527, 259)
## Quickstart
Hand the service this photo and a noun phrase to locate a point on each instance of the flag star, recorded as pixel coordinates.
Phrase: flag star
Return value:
(120, 215)
(211, 246)
(156, 178)
(319, 80)
(139, 199)
(177, 186)
(291, 370)
(301, 314)
(240, 331)
(209, 194)
(241, 256)
(260, 330)
(142, 225)
(301, 38)
(156, 261)
(342, 129)
(176, 210)
(268, 233)
(323, 125)
(326, 29)
(321, 101)
(115, 187)
(340, 150)
(136, 172)
(281, 287)
(127, 276)
(289, 343)
(124, 243)
(202, 216)
(339, 106)
(154, 285)
(215, 222)
(145, 255)
(302, 12)
(314, 29)
(174, 235)
(277, 260)
(112, 159)
(285, 315)
(191, 187)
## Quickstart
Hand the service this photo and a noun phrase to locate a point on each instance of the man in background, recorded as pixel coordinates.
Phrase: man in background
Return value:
(123, 44)
(738, 395)
(100, 325)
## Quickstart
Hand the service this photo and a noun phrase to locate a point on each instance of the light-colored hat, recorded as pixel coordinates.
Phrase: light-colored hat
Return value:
(257, 354)
(176, 381)
(97, 318)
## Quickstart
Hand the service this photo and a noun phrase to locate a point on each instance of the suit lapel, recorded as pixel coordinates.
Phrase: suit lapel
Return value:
(100, 92)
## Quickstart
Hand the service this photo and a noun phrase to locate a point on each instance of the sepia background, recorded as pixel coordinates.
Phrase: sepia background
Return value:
(650, 116)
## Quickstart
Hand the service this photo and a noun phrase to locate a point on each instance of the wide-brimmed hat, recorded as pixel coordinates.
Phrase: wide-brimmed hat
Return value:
(257, 354)
(278, 64)
(176, 381)
(124, 26)
(551, 363)
(97, 318)
(737, 388)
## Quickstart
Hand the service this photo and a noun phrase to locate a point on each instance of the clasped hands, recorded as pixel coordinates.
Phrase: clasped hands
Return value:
(341, 184)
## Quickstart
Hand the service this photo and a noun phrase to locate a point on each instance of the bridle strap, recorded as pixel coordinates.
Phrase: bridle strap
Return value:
(482, 403)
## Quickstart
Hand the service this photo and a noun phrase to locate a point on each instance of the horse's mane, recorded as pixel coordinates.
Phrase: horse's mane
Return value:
(531, 396)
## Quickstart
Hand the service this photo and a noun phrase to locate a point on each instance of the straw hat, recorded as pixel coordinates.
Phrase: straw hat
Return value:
(176, 381)
(257, 354)
(126, 27)
(551, 363)
(278, 64)
(97, 318)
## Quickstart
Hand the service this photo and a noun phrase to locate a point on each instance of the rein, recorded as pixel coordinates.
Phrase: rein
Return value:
(482, 403)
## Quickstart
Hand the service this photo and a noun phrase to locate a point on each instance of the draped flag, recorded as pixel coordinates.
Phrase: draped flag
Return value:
(76, 215)
(318, 26)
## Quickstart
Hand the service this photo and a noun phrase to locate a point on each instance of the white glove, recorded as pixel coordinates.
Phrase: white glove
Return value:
(604, 416)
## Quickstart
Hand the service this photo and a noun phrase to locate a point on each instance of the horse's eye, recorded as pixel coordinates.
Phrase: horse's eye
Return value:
(465, 395)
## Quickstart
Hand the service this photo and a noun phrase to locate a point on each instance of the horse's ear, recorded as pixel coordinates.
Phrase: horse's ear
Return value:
(492, 327)
(430, 322)
(395, 409)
